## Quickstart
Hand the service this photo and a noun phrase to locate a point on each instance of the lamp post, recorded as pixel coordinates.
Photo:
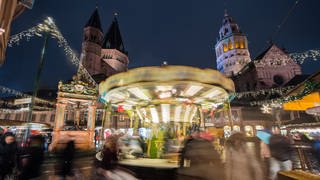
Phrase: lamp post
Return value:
(36, 84)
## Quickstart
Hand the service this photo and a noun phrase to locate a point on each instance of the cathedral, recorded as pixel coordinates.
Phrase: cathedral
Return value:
(103, 55)
(273, 68)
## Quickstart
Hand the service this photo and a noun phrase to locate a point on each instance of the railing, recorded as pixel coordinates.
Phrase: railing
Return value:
(303, 158)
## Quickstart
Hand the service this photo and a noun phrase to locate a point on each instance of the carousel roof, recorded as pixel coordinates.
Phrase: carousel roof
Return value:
(167, 91)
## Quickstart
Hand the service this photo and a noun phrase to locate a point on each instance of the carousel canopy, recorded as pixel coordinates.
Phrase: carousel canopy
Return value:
(167, 93)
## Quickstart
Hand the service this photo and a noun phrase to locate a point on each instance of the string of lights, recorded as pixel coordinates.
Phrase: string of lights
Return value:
(266, 92)
(308, 88)
(48, 26)
(309, 54)
(6, 90)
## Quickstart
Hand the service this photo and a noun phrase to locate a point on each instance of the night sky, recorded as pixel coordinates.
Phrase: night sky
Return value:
(179, 32)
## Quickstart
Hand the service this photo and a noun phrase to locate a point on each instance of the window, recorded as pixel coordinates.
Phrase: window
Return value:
(18, 116)
(230, 45)
(237, 44)
(43, 117)
(242, 45)
(7, 117)
(225, 48)
(278, 80)
(226, 31)
(248, 131)
(33, 117)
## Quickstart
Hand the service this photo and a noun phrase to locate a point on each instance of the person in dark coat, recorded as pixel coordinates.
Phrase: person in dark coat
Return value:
(8, 154)
(200, 160)
(280, 149)
(67, 157)
(240, 164)
(32, 158)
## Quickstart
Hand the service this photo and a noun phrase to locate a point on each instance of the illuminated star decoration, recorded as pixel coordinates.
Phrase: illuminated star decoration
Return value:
(266, 109)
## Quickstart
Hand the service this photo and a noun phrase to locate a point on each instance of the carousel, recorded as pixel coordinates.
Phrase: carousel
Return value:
(168, 102)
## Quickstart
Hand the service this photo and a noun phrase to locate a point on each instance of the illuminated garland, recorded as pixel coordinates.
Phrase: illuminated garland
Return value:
(266, 92)
(300, 57)
(308, 88)
(5, 90)
(48, 26)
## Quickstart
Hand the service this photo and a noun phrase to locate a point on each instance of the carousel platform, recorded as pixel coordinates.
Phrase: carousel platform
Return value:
(155, 169)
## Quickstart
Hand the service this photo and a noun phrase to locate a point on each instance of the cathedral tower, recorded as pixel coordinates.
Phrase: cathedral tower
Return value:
(232, 47)
(113, 55)
(91, 44)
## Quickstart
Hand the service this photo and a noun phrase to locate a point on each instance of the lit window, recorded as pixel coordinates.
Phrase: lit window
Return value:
(230, 45)
(237, 44)
(242, 45)
(248, 130)
(225, 48)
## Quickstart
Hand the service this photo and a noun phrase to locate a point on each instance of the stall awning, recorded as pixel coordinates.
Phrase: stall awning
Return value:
(303, 104)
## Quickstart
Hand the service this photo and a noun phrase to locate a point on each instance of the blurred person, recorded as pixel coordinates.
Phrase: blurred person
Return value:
(108, 166)
(265, 154)
(199, 159)
(240, 164)
(32, 158)
(8, 155)
(66, 159)
(280, 150)
(109, 153)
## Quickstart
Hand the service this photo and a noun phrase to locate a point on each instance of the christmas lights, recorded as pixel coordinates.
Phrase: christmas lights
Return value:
(5, 90)
(308, 88)
(48, 26)
(301, 57)
(266, 92)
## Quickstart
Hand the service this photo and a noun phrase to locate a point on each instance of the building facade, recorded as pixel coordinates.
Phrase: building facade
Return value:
(272, 68)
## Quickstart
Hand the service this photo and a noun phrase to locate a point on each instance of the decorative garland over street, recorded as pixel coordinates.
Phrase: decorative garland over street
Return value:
(5, 90)
(48, 26)
(273, 91)
(309, 87)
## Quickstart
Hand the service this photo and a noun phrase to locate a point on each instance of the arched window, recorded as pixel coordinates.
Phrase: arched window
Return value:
(225, 48)
(230, 45)
(237, 44)
(241, 44)
(248, 131)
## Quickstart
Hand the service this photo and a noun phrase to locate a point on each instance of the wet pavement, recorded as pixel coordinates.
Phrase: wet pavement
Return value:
(83, 169)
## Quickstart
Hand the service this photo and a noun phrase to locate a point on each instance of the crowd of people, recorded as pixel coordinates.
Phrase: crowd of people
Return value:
(20, 163)
(199, 158)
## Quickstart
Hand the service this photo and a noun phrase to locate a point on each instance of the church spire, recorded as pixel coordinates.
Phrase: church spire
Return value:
(94, 20)
(112, 39)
